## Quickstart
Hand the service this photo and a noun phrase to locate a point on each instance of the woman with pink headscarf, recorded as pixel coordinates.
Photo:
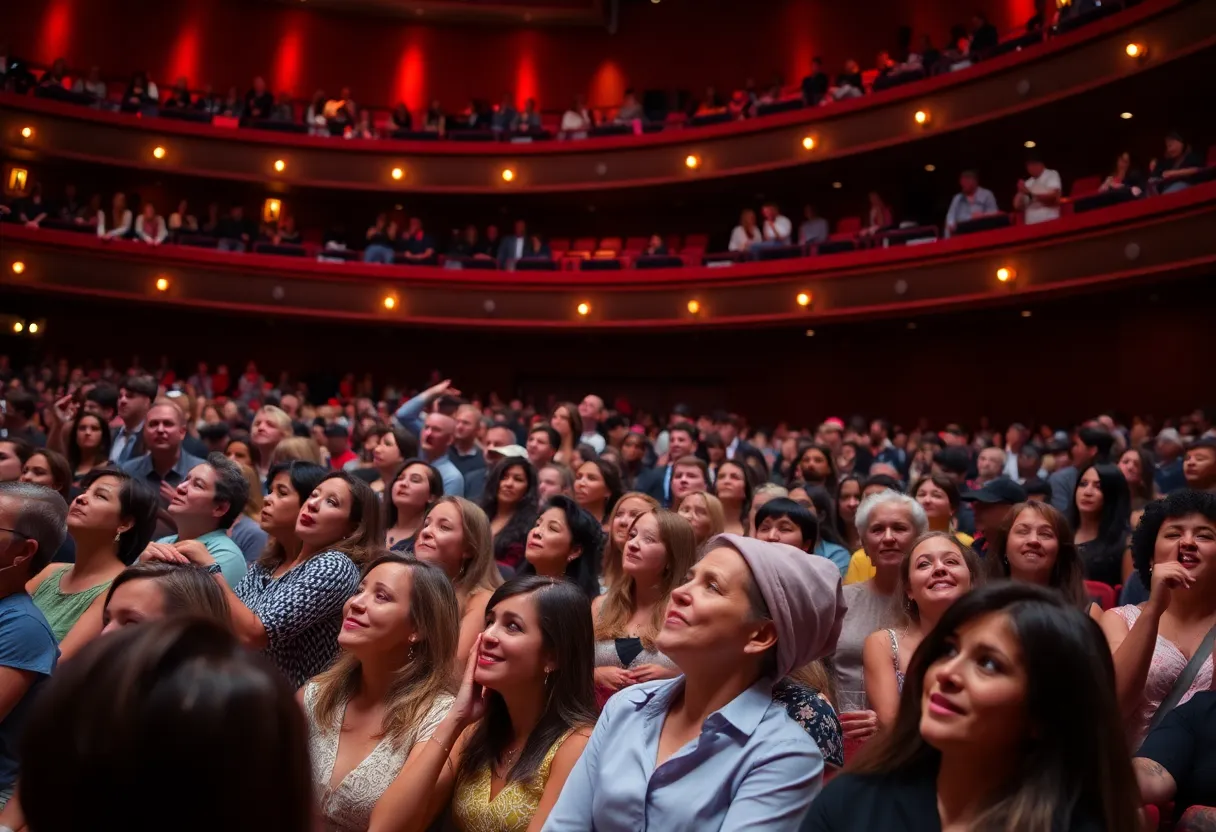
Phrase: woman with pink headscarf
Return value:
(711, 749)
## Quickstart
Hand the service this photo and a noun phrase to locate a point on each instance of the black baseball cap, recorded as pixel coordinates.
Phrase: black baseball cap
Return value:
(999, 490)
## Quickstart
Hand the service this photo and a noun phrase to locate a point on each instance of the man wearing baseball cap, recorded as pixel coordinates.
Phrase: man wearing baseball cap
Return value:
(992, 503)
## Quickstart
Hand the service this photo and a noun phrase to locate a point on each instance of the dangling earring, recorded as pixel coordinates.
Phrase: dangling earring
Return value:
(118, 537)
(547, 678)
(410, 657)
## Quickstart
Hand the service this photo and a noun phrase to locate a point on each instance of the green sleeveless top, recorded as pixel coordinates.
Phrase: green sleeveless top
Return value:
(62, 610)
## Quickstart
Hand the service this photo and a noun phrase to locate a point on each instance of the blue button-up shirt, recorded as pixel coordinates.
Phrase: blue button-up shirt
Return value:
(751, 768)
(410, 416)
(141, 468)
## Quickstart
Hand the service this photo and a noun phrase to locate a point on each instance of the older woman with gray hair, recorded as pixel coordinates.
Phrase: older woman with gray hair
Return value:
(887, 522)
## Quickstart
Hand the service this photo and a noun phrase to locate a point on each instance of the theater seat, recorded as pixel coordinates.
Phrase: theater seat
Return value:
(1085, 186)
(611, 244)
(583, 246)
(636, 243)
(700, 241)
(1104, 594)
(847, 226)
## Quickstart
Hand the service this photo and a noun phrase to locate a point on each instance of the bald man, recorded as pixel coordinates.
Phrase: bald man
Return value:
(435, 432)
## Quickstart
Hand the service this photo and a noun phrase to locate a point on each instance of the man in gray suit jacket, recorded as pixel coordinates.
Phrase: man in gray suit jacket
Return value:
(513, 246)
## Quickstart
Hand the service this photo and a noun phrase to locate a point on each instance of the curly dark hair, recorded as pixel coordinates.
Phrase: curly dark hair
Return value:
(1178, 504)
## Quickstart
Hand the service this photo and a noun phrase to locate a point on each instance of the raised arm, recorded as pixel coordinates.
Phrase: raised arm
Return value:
(1133, 648)
(410, 413)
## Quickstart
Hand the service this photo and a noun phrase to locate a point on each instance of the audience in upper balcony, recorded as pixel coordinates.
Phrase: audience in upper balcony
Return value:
(1180, 160)
(878, 216)
(579, 118)
(815, 86)
(363, 128)
(710, 104)
(1038, 195)
(928, 56)
(56, 76)
(259, 103)
(116, 224)
(92, 84)
(529, 119)
(489, 247)
(970, 202)
(1123, 176)
(536, 249)
(655, 247)
(467, 244)
(179, 96)
(91, 213)
(984, 36)
(777, 227)
(33, 209)
(286, 233)
(848, 83)
(182, 220)
(340, 112)
(506, 118)
(417, 247)
(381, 238)
(70, 207)
(400, 118)
(314, 115)
(283, 110)
(139, 92)
(630, 110)
(231, 106)
(234, 232)
(150, 226)
(513, 246)
(814, 228)
(435, 121)
(746, 233)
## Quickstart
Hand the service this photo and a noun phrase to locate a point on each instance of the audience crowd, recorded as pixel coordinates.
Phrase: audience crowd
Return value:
(495, 615)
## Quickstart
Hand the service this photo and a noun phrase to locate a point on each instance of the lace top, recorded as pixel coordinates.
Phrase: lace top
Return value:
(613, 652)
(348, 806)
(1166, 666)
(512, 808)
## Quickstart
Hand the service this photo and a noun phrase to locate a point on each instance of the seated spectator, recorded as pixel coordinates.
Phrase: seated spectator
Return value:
(467, 244)
(116, 224)
(984, 36)
(70, 206)
(746, 233)
(741, 105)
(33, 209)
(928, 56)
(92, 84)
(234, 231)
(512, 247)
(710, 104)
(400, 118)
(201, 704)
(1180, 160)
(56, 76)
(1039, 195)
(179, 96)
(578, 119)
(283, 111)
(878, 217)
(156, 591)
(1199, 465)
(259, 102)
(655, 247)
(630, 110)
(529, 119)
(1124, 176)
(314, 115)
(777, 227)
(231, 106)
(150, 226)
(970, 202)
(33, 519)
(137, 95)
(286, 234)
(489, 248)
(416, 246)
(784, 611)
(182, 220)
(848, 83)
(435, 121)
(884, 65)
(381, 238)
(212, 224)
(340, 112)
(814, 228)
(1175, 764)
(954, 732)
(363, 129)
(536, 249)
(207, 101)
(506, 117)
(815, 86)
(91, 213)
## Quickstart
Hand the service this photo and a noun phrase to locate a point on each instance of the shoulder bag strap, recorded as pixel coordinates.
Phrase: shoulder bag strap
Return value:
(1185, 679)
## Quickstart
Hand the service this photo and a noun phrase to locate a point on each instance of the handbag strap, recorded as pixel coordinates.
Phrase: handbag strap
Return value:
(1185, 679)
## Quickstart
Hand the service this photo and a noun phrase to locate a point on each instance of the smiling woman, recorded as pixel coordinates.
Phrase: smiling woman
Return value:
(1004, 663)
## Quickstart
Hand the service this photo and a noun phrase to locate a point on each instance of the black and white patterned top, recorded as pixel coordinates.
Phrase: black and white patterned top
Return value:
(301, 611)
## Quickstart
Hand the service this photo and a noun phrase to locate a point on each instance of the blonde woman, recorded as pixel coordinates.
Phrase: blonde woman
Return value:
(371, 713)
(631, 504)
(704, 512)
(456, 537)
(660, 550)
(271, 425)
(300, 448)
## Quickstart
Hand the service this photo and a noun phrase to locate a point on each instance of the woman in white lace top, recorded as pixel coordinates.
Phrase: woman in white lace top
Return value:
(388, 691)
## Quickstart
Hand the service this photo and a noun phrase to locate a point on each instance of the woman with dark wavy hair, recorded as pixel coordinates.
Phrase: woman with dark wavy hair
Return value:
(1100, 515)
(566, 542)
(1008, 720)
(509, 501)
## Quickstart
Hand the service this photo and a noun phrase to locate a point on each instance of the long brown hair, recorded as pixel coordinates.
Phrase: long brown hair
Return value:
(1077, 762)
(425, 672)
(478, 569)
(621, 601)
(611, 566)
(906, 606)
(187, 590)
(1067, 575)
(367, 536)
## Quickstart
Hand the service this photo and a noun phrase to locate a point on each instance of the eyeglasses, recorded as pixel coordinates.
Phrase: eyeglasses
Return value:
(14, 531)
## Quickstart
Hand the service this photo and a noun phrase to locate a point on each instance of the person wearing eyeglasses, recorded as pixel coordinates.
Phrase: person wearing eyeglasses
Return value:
(33, 525)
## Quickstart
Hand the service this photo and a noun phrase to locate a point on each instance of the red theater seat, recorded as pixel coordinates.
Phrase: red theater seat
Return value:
(1085, 186)
(583, 246)
(636, 243)
(612, 244)
(847, 226)
(1104, 594)
(700, 241)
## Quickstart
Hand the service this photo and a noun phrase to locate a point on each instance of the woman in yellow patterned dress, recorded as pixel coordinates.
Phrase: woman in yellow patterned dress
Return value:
(528, 705)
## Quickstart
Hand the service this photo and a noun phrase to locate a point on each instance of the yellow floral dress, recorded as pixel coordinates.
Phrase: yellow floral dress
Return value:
(512, 808)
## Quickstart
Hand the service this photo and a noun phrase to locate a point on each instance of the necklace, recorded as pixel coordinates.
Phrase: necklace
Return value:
(507, 762)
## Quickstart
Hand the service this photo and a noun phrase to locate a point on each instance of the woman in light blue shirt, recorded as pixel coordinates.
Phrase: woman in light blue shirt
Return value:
(711, 750)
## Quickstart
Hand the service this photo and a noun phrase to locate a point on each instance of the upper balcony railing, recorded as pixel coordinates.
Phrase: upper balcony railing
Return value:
(1067, 64)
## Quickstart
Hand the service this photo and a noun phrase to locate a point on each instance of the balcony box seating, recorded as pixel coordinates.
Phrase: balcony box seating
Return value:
(197, 241)
(469, 263)
(600, 264)
(196, 116)
(283, 250)
(847, 226)
(278, 126)
(415, 135)
(535, 266)
(68, 225)
(710, 118)
(659, 261)
(988, 222)
(1093, 201)
(836, 244)
(783, 106)
(907, 236)
(778, 253)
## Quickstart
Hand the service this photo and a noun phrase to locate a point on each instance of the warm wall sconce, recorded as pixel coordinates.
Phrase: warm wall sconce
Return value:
(804, 298)
(17, 182)
(692, 161)
(584, 309)
(158, 152)
(271, 210)
(280, 165)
